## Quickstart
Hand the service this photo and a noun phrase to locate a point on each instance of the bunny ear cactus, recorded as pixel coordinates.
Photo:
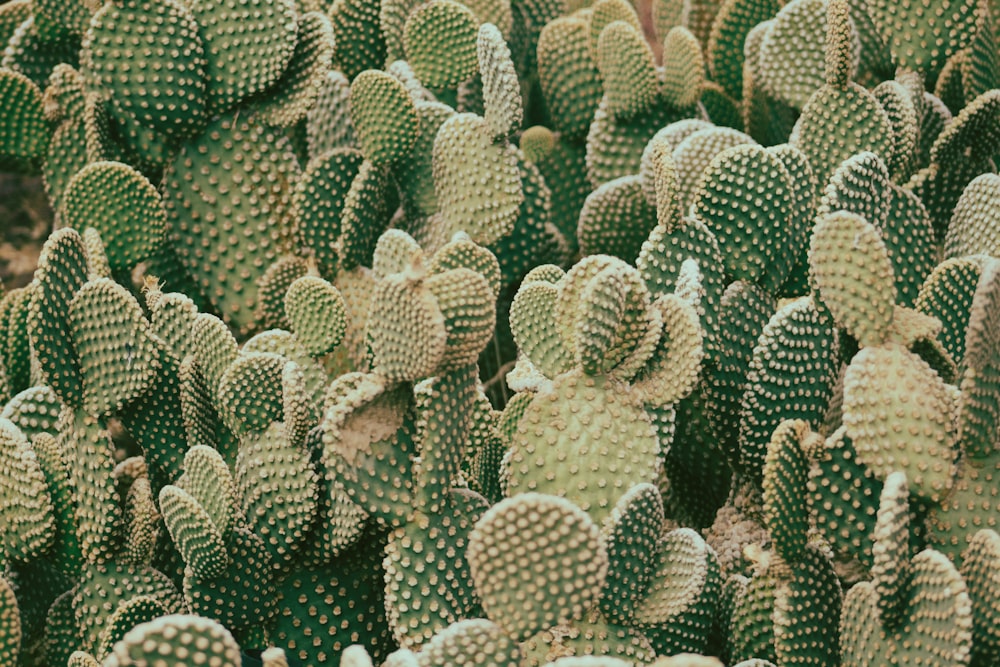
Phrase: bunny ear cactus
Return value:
(25, 136)
(200, 640)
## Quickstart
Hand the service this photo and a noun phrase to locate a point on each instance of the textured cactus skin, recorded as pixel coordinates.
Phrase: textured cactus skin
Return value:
(503, 333)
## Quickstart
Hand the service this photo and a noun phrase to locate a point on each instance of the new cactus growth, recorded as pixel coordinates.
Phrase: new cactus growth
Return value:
(503, 333)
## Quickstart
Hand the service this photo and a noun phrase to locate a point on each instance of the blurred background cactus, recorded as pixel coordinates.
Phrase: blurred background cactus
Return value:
(499, 332)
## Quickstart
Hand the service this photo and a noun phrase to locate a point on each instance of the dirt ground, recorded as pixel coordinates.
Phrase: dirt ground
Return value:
(25, 223)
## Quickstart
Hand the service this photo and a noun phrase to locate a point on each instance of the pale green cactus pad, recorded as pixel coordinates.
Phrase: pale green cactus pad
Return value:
(440, 43)
(383, 116)
(26, 510)
(201, 641)
(474, 641)
(550, 570)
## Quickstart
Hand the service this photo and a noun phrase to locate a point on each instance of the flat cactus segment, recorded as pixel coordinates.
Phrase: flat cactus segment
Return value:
(250, 391)
(365, 216)
(233, 72)
(910, 241)
(534, 328)
(785, 476)
(201, 641)
(157, 77)
(428, 585)
(34, 410)
(981, 571)
(24, 137)
(947, 295)
(791, 376)
(277, 491)
(631, 533)
(979, 419)
(884, 381)
(367, 444)
(627, 69)
(843, 496)
(415, 175)
(732, 23)
(440, 43)
(130, 613)
(836, 123)
(383, 116)
(973, 226)
(675, 365)
(478, 183)
(568, 74)
(676, 612)
(524, 585)
(922, 37)
(317, 313)
(303, 79)
(463, 252)
(891, 551)
(200, 542)
(504, 109)
(600, 642)
(247, 198)
(807, 612)
(792, 53)
(475, 641)
(744, 198)
(695, 152)
(122, 205)
(404, 309)
(27, 514)
(615, 219)
(572, 428)
(318, 203)
(860, 185)
(970, 505)
(850, 266)
(328, 122)
(684, 68)
(62, 270)
(468, 307)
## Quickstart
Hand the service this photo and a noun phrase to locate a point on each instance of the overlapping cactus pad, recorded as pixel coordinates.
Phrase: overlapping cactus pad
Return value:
(503, 333)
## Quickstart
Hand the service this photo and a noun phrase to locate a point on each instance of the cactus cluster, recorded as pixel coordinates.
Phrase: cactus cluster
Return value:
(510, 333)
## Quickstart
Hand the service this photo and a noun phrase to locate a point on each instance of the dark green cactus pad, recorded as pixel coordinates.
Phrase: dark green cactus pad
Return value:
(980, 568)
(753, 238)
(233, 73)
(605, 12)
(568, 74)
(477, 182)
(142, 522)
(733, 21)
(103, 588)
(368, 432)
(836, 123)
(843, 497)
(631, 534)
(947, 295)
(318, 202)
(752, 624)
(786, 470)
(15, 350)
(62, 633)
(428, 565)
(244, 595)
(909, 239)
(272, 287)
(368, 207)
(440, 43)
(25, 134)
(61, 272)
(159, 79)
(383, 116)
(744, 311)
(694, 153)
(277, 492)
(291, 98)
(323, 611)
(130, 613)
(415, 175)
(250, 391)
(794, 364)
(550, 569)
(859, 185)
(195, 641)
(807, 612)
(317, 313)
(979, 418)
(122, 205)
(600, 229)
(65, 555)
(919, 39)
(569, 428)
(26, 508)
(201, 205)
(884, 381)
